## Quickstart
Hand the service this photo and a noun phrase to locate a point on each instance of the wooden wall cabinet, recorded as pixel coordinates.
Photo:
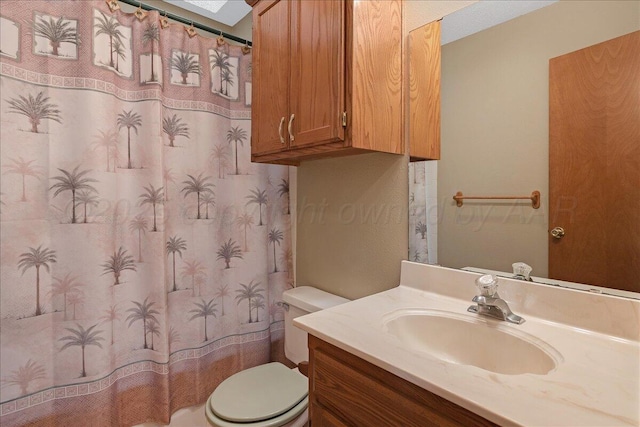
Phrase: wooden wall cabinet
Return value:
(327, 79)
(345, 390)
(424, 92)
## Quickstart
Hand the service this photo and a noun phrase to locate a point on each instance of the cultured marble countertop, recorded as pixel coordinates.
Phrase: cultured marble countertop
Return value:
(597, 378)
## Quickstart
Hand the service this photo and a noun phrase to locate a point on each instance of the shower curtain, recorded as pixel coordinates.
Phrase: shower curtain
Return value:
(143, 256)
(422, 219)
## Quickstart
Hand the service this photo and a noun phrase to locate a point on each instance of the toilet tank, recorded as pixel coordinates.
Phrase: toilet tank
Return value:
(300, 301)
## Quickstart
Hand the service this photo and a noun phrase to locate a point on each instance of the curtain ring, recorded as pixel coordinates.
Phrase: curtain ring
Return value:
(220, 39)
(139, 13)
(191, 31)
(246, 49)
(113, 5)
(164, 21)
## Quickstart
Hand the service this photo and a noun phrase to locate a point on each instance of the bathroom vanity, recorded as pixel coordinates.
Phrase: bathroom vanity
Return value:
(347, 390)
(413, 355)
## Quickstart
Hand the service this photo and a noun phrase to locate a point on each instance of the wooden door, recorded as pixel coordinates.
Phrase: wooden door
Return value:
(270, 76)
(317, 97)
(594, 164)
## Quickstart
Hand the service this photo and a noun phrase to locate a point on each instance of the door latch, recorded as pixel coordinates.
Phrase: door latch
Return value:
(557, 233)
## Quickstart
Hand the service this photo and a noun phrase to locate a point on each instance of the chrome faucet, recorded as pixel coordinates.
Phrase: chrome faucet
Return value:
(489, 302)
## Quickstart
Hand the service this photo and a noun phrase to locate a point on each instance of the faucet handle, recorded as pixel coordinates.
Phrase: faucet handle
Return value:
(521, 271)
(487, 285)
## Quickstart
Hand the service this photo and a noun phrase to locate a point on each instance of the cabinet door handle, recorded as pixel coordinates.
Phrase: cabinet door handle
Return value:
(280, 130)
(291, 137)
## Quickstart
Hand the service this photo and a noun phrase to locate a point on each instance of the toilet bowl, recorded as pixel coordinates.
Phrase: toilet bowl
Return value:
(272, 395)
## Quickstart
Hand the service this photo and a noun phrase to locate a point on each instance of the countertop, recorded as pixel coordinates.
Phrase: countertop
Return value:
(597, 378)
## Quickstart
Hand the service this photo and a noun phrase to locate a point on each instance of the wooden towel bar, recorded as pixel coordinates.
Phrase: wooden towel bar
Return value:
(535, 198)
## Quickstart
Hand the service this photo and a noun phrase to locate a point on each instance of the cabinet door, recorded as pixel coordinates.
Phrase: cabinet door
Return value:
(317, 97)
(345, 390)
(271, 36)
(323, 418)
(424, 92)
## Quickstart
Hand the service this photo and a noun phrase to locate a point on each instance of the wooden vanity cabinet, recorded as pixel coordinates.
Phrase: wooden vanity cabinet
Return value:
(345, 390)
(327, 79)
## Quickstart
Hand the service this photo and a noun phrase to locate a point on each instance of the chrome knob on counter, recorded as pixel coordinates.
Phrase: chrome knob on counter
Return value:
(557, 232)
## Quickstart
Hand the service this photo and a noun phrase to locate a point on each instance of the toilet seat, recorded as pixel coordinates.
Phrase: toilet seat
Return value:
(264, 396)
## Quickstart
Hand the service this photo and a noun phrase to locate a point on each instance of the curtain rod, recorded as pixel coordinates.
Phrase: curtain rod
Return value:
(187, 21)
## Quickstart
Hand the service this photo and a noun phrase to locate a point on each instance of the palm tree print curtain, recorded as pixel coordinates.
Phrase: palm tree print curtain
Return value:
(143, 256)
(421, 246)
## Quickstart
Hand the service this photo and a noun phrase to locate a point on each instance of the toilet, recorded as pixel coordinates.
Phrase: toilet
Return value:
(272, 395)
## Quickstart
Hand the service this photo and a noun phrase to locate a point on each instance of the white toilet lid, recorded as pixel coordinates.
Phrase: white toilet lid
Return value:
(259, 393)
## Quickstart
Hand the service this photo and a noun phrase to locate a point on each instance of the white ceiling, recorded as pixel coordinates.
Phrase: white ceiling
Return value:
(228, 12)
(464, 22)
(485, 14)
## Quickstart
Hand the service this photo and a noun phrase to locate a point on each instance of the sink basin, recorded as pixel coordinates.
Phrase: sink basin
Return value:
(469, 340)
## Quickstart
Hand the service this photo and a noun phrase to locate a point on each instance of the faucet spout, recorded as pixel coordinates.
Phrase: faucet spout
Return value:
(494, 307)
(489, 302)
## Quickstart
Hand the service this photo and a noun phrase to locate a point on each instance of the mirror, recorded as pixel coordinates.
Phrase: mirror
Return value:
(495, 135)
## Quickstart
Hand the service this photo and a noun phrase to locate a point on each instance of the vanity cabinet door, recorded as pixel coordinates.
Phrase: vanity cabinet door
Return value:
(324, 418)
(346, 390)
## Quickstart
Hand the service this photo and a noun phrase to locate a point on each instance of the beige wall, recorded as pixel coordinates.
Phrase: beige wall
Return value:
(352, 223)
(495, 129)
(358, 257)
